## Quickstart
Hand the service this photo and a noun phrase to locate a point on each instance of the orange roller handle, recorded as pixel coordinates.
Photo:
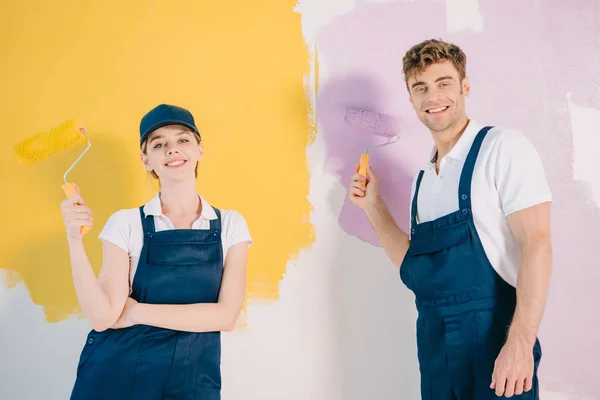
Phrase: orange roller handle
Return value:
(70, 190)
(364, 163)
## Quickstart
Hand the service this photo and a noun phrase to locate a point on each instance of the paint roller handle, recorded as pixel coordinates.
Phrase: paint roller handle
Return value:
(364, 164)
(70, 190)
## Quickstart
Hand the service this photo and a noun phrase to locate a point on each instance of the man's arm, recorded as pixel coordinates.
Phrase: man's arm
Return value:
(394, 240)
(513, 369)
(364, 193)
(531, 228)
(526, 201)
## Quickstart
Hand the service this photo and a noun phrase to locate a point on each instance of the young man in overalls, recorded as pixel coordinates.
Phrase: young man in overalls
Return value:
(478, 256)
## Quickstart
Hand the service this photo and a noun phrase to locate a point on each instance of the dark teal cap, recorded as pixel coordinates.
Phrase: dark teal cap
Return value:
(163, 115)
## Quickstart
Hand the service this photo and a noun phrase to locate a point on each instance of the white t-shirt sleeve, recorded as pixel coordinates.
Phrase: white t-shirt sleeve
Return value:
(117, 230)
(236, 229)
(519, 173)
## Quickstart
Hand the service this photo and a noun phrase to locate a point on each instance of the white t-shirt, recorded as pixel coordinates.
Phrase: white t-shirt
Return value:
(508, 177)
(124, 228)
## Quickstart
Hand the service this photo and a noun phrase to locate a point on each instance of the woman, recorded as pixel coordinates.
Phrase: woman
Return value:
(173, 276)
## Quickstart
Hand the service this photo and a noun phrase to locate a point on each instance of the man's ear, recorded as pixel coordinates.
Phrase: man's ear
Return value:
(466, 87)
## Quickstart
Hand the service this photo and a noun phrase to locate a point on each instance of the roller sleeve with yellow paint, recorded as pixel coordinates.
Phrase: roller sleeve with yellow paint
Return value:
(45, 144)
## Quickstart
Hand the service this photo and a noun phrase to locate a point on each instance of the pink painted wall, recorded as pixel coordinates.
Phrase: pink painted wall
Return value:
(521, 66)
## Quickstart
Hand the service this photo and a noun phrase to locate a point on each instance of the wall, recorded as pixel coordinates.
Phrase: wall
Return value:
(328, 317)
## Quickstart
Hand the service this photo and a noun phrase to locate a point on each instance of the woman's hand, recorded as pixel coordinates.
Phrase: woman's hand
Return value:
(126, 319)
(75, 214)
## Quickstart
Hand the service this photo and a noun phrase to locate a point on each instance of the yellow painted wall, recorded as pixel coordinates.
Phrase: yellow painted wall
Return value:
(239, 66)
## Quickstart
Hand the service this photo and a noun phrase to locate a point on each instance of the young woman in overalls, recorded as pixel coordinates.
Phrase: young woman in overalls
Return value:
(173, 276)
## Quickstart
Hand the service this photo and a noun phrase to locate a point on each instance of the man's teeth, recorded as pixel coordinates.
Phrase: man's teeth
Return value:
(434, 110)
(175, 163)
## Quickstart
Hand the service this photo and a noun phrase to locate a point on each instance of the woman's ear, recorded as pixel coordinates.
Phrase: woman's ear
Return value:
(144, 159)
(200, 150)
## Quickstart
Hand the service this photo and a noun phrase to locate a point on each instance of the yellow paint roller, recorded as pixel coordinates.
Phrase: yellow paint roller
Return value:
(56, 140)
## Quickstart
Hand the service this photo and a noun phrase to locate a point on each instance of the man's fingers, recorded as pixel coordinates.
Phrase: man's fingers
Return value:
(359, 185)
(358, 178)
(371, 174)
(357, 192)
(500, 385)
(528, 383)
(510, 387)
(519, 385)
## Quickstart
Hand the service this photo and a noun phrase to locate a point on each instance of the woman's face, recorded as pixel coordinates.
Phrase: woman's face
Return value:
(172, 152)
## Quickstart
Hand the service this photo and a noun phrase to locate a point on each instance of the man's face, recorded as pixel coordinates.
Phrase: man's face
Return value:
(438, 96)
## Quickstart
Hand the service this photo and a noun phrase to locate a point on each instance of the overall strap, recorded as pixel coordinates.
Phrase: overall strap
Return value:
(464, 186)
(147, 223)
(413, 212)
(215, 224)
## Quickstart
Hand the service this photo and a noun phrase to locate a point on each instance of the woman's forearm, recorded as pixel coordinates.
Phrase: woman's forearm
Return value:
(200, 317)
(94, 302)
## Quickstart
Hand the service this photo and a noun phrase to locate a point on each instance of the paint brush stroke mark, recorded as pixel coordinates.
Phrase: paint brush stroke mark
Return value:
(241, 67)
(521, 66)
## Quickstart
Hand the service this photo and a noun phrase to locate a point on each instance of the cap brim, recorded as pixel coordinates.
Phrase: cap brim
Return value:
(165, 123)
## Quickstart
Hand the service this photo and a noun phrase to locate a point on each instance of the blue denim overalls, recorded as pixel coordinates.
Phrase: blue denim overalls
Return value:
(181, 266)
(464, 307)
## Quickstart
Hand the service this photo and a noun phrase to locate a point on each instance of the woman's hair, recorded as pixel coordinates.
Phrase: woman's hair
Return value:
(145, 149)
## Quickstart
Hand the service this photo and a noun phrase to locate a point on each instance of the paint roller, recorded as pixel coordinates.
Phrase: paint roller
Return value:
(48, 143)
(370, 121)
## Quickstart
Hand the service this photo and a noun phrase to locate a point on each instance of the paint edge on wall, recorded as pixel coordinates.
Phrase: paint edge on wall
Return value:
(10, 278)
(311, 83)
(584, 123)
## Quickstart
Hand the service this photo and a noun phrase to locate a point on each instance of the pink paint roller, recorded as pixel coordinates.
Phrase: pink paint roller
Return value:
(370, 121)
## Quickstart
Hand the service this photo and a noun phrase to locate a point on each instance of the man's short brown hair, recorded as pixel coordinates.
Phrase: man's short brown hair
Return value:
(433, 51)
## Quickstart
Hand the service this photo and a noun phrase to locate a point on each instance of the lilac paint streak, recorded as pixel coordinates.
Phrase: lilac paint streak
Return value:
(520, 67)
(372, 122)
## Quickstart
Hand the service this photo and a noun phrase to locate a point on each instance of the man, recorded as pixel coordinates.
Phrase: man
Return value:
(478, 256)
